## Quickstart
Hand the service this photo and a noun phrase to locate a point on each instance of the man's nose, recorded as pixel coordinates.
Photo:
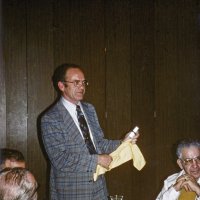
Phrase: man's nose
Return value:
(81, 86)
(194, 162)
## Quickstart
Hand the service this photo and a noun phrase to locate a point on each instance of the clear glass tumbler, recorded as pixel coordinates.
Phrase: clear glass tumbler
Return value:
(116, 197)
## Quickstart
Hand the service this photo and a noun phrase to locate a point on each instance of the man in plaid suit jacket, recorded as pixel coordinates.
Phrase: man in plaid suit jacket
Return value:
(72, 166)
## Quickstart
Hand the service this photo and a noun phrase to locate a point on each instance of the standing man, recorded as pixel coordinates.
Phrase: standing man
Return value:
(185, 184)
(74, 141)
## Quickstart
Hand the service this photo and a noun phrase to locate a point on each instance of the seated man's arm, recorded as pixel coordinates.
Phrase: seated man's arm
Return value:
(171, 188)
(168, 191)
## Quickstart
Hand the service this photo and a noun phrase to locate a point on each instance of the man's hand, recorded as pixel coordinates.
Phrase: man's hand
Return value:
(104, 160)
(188, 182)
(178, 185)
(133, 140)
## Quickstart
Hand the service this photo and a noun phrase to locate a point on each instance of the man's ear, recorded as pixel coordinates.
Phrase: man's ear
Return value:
(7, 163)
(61, 86)
(179, 163)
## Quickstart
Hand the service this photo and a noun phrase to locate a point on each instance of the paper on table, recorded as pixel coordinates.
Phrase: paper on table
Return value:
(125, 152)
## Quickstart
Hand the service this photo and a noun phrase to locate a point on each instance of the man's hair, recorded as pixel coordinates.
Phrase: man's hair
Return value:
(17, 184)
(60, 72)
(11, 154)
(186, 143)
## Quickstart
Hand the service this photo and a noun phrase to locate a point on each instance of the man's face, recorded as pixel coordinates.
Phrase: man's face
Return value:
(14, 163)
(69, 91)
(193, 166)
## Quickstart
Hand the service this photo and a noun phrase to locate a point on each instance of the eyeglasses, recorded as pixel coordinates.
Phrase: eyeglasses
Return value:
(190, 161)
(78, 83)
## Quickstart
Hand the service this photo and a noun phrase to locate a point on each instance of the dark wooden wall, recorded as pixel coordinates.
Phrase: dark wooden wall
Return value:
(141, 59)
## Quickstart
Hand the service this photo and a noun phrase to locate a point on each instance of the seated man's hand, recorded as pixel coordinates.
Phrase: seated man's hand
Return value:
(178, 185)
(190, 184)
(187, 182)
(104, 160)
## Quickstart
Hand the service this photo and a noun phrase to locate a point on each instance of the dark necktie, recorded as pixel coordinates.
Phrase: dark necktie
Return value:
(85, 130)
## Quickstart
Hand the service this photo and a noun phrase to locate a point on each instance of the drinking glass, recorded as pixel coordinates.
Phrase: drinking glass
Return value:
(116, 197)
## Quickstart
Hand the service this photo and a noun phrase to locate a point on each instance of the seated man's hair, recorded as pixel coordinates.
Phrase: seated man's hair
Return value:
(17, 184)
(185, 144)
(11, 154)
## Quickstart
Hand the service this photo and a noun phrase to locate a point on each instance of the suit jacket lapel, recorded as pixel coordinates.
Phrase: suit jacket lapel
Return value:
(69, 124)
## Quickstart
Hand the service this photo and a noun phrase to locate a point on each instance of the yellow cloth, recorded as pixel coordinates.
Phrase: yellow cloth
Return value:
(125, 152)
(184, 195)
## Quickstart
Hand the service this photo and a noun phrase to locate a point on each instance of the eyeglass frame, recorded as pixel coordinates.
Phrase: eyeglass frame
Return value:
(190, 161)
(77, 83)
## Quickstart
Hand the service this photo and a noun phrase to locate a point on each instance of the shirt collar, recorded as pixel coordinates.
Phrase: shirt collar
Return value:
(69, 105)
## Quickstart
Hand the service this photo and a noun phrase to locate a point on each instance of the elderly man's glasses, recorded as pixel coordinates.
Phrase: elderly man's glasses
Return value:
(190, 161)
(78, 83)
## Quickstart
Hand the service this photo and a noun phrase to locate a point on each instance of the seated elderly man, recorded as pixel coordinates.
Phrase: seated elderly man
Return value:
(185, 184)
(17, 184)
(11, 158)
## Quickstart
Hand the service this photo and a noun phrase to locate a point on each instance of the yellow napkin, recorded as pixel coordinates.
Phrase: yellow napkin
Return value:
(125, 152)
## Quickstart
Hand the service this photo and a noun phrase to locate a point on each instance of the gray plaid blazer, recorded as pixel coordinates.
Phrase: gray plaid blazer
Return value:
(72, 166)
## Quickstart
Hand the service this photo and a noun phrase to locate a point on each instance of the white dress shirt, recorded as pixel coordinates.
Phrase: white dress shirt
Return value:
(72, 111)
(168, 192)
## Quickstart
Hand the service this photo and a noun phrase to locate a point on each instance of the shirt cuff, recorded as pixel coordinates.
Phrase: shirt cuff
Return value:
(173, 192)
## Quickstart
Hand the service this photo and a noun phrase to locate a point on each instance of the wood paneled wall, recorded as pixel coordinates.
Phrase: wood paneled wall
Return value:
(141, 59)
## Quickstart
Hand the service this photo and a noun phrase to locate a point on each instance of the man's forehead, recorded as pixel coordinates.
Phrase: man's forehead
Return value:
(191, 151)
(13, 163)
